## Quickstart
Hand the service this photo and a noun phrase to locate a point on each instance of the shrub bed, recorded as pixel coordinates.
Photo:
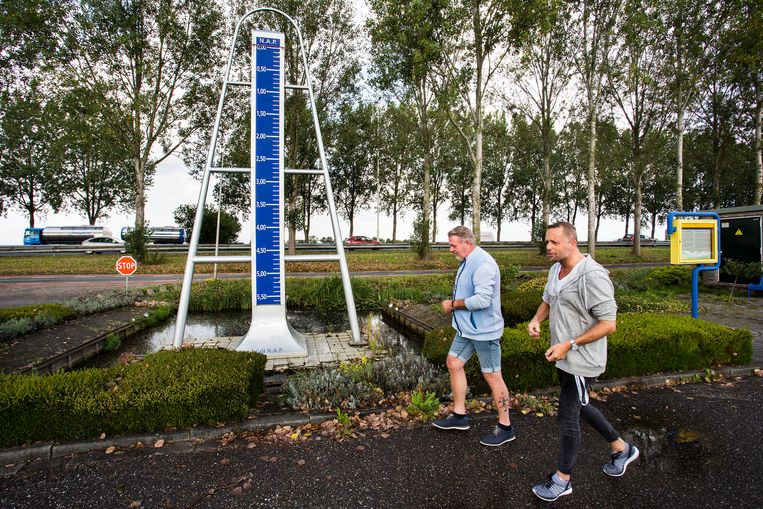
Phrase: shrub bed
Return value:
(643, 344)
(166, 390)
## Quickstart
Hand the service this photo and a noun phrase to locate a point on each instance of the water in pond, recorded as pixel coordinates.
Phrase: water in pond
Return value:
(209, 325)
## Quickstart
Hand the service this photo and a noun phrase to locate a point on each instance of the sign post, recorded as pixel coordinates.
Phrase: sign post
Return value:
(126, 265)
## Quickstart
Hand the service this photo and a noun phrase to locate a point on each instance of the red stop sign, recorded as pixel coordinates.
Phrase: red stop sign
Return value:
(127, 265)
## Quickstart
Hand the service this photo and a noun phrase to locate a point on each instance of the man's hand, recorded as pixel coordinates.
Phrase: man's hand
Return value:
(558, 352)
(447, 306)
(533, 328)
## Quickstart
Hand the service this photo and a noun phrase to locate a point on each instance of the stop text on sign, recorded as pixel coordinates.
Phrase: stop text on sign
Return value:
(127, 265)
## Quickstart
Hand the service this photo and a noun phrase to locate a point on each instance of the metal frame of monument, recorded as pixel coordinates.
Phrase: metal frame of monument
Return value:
(273, 336)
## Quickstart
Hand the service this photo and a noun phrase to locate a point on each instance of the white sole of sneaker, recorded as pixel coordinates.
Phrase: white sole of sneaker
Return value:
(498, 445)
(547, 499)
(627, 462)
(457, 428)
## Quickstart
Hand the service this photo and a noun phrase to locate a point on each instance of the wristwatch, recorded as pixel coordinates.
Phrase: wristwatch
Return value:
(573, 345)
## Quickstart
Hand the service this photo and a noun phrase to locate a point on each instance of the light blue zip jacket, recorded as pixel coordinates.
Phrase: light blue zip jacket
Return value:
(478, 283)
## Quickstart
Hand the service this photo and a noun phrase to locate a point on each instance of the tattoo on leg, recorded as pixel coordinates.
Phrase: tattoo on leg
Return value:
(503, 401)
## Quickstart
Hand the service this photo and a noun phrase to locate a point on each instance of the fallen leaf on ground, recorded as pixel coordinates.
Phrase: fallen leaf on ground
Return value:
(110, 449)
(224, 461)
(159, 443)
(300, 462)
(135, 503)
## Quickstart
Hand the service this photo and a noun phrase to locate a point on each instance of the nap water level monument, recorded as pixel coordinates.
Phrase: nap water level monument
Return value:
(270, 332)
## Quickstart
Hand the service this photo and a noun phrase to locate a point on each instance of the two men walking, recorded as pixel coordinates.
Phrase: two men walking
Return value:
(579, 302)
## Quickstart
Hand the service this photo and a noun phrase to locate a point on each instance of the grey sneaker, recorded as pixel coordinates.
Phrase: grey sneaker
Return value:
(453, 422)
(550, 490)
(620, 461)
(498, 436)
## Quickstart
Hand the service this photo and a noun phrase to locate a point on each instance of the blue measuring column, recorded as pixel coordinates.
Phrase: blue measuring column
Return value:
(270, 332)
(267, 133)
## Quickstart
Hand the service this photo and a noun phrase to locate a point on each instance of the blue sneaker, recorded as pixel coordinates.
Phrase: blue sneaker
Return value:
(551, 489)
(499, 436)
(453, 422)
(620, 461)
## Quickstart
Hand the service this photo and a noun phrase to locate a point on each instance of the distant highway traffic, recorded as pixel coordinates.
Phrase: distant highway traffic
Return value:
(64, 250)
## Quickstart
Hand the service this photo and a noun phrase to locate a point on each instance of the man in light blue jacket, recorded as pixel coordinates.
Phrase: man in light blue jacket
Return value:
(477, 318)
(579, 302)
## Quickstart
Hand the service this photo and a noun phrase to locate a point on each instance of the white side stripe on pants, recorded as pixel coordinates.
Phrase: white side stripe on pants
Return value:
(582, 392)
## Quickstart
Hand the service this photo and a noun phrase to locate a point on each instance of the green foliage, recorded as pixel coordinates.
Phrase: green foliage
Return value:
(670, 276)
(509, 274)
(424, 406)
(18, 321)
(137, 240)
(407, 371)
(56, 312)
(16, 327)
(420, 243)
(167, 389)
(89, 304)
(649, 302)
(520, 306)
(535, 284)
(230, 227)
(218, 295)
(634, 279)
(643, 343)
(111, 343)
(345, 423)
(741, 270)
(327, 389)
(361, 383)
(651, 343)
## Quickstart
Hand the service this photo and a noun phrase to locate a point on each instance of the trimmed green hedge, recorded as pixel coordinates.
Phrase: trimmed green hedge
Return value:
(166, 390)
(643, 344)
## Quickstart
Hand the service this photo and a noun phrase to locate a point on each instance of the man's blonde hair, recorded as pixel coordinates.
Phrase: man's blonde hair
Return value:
(463, 233)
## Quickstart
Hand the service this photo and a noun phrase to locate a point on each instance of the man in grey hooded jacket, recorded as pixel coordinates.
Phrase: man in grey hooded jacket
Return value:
(579, 302)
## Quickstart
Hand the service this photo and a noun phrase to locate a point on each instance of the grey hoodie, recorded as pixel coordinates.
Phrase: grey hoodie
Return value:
(583, 300)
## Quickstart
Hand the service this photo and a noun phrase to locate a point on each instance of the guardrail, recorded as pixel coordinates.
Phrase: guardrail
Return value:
(69, 250)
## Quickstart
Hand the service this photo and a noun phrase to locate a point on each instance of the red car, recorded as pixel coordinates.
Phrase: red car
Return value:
(360, 240)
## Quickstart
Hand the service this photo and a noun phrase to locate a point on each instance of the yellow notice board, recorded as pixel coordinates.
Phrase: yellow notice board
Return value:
(694, 242)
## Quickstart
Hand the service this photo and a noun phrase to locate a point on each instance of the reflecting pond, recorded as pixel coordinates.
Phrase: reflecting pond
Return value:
(236, 323)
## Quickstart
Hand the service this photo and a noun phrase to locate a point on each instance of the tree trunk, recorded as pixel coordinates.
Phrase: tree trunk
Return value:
(476, 185)
(758, 144)
(593, 226)
(638, 200)
(394, 221)
(680, 155)
(140, 198)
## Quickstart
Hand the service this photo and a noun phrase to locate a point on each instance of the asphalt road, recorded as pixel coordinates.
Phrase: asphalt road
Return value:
(700, 447)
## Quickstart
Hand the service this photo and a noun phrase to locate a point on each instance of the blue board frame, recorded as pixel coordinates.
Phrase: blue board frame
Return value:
(268, 164)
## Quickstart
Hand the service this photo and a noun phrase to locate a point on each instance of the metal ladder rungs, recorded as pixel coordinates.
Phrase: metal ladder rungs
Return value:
(222, 259)
(296, 87)
(295, 171)
(230, 170)
(240, 83)
(311, 258)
